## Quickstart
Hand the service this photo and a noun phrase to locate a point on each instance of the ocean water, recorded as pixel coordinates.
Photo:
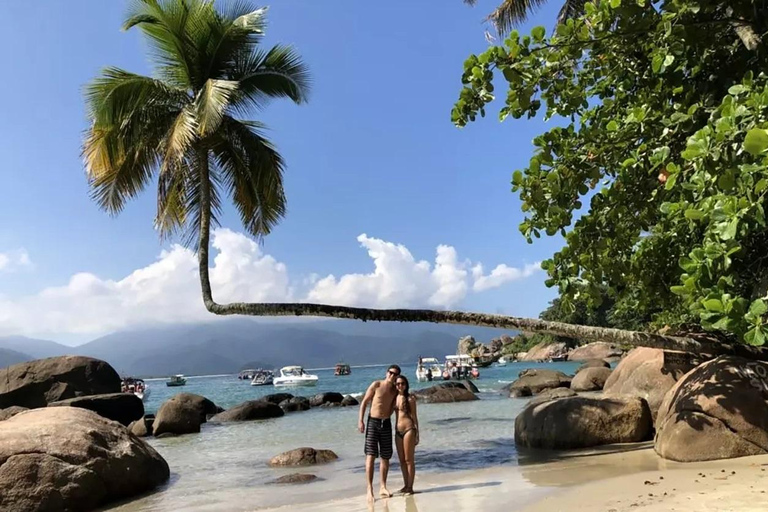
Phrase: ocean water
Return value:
(225, 467)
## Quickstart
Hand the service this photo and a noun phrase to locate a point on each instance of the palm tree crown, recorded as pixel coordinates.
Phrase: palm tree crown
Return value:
(183, 125)
(511, 13)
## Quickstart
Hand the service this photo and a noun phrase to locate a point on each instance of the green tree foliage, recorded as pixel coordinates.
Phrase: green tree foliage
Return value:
(657, 172)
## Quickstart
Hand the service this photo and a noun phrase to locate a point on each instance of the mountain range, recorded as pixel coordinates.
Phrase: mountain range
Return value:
(229, 345)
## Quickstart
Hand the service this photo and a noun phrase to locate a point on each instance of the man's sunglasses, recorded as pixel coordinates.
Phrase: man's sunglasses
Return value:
(392, 372)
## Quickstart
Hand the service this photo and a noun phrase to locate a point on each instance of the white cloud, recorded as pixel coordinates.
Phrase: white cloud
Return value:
(168, 290)
(14, 260)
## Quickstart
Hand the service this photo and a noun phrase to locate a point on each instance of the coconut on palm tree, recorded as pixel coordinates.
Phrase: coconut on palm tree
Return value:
(184, 127)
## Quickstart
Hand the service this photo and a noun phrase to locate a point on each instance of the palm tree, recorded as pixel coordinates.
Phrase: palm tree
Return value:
(183, 127)
(511, 13)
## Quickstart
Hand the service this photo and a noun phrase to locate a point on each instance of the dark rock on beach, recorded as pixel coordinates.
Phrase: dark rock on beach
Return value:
(40, 382)
(551, 394)
(295, 478)
(143, 426)
(466, 384)
(594, 363)
(719, 410)
(322, 398)
(248, 411)
(183, 414)
(536, 380)
(590, 379)
(442, 393)
(121, 407)
(71, 459)
(295, 404)
(303, 457)
(277, 398)
(10, 412)
(581, 422)
(349, 401)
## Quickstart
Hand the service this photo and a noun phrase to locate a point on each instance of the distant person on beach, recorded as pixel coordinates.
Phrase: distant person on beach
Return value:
(381, 395)
(406, 433)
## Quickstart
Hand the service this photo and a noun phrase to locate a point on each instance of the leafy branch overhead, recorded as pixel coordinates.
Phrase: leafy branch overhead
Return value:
(656, 170)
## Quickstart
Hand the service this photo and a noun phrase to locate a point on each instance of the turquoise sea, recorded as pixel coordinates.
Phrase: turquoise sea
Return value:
(224, 468)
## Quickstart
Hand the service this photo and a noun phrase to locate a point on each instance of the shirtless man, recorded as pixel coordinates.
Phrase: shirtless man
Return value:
(381, 395)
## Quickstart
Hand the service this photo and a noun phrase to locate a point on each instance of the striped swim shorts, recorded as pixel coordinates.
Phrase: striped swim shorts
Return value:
(378, 437)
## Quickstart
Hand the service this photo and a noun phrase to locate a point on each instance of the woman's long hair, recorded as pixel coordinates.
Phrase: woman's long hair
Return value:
(406, 394)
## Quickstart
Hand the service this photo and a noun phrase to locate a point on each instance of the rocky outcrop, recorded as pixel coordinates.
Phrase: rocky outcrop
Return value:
(719, 410)
(545, 352)
(40, 382)
(597, 350)
(121, 407)
(295, 404)
(466, 384)
(551, 394)
(444, 393)
(68, 458)
(349, 401)
(10, 412)
(644, 374)
(466, 345)
(322, 398)
(248, 411)
(143, 426)
(594, 363)
(590, 379)
(581, 422)
(183, 414)
(277, 398)
(295, 478)
(303, 457)
(536, 380)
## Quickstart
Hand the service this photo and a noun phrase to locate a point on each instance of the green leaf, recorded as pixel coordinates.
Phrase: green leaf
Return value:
(656, 63)
(758, 307)
(756, 141)
(761, 185)
(713, 305)
(668, 60)
(517, 178)
(538, 33)
(694, 214)
(729, 233)
(678, 290)
(615, 4)
(755, 336)
(737, 89)
(612, 126)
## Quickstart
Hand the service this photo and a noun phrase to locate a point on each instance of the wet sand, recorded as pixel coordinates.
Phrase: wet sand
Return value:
(616, 478)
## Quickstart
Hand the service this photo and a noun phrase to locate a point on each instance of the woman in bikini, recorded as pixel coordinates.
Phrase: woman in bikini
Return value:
(407, 432)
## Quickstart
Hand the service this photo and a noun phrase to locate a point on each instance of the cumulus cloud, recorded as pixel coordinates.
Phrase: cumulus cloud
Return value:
(14, 260)
(168, 290)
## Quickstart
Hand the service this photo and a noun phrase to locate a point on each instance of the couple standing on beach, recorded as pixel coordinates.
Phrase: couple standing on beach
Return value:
(385, 397)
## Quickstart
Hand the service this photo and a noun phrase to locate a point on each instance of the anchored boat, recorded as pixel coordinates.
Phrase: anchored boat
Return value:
(175, 381)
(294, 376)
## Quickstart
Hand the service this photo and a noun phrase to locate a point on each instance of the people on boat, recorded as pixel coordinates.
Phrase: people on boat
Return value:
(406, 432)
(381, 395)
(429, 374)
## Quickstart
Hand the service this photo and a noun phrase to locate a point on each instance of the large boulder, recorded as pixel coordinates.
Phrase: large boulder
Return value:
(444, 393)
(466, 345)
(466, 384)
(349, 401)
(71, 459)
(581, 422)
(297, 403)
(590, 379)
(10, 412)
(183, 414)
(594, 363)
(37, 383)
(643, 373)
(536, 380)
(323, 398)
(143, 426)
(276, 398)
(719, 410)
(545, 351)
(121, 407)
(552, 394)
(597, 350)
(303, 457)
(251, 410)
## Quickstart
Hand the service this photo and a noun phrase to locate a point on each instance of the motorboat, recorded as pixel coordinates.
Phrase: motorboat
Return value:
(294, 376)
(460, 367)
(247, 374)
(342, 369)
(502, 361)
(136, 387)
(175, 381)
(263, 378)
(428, 368)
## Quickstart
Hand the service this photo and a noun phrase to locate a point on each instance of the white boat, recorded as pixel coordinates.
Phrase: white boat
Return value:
(502, 361)
(294, 376)
(431, 364)
(263, 378)
(136, 387)
(460, 367)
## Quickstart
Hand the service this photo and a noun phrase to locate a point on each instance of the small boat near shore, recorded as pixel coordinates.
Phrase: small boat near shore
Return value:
(428, 368)
(460, 367)
(502, 361)
(136, 387)
(247, 374)
(342, 369)
(294, 376)
(263, 378)
(176, 381)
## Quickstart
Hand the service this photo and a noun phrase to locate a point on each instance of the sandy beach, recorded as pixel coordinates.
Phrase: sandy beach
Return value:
(617, 479)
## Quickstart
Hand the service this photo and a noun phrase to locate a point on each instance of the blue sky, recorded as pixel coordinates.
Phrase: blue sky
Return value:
(373, 152)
